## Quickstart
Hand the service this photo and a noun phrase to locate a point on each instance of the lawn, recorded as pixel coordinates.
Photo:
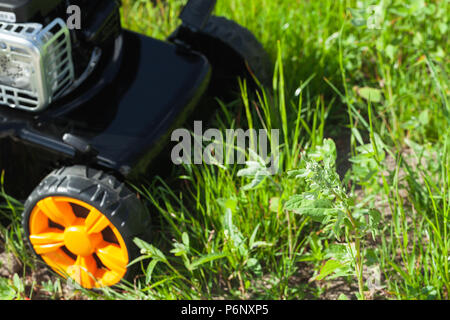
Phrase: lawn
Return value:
(359, 208)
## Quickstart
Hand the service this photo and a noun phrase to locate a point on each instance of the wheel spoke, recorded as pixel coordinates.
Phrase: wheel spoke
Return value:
(83, 271)
(47, 242)
(96, 222)
(112, 257)
(58, 212)
(58, 260)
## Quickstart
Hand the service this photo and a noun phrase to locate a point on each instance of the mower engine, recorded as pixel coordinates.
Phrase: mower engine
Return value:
(41, 59)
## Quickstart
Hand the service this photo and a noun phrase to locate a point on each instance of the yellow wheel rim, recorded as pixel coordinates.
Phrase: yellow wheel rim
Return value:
(78, 241)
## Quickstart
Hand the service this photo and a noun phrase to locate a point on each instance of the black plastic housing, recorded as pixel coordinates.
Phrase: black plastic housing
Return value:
(118, 121)
(29, 10)
(102, 25)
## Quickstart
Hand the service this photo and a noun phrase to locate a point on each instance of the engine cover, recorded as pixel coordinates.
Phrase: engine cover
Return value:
(22, 11)
(36, 64)
(42, 56)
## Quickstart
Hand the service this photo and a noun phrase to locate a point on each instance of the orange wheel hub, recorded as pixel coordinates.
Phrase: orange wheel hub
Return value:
(78, 241)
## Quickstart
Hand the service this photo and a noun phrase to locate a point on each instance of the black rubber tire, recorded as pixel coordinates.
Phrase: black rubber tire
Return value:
(232, 50)
(244, 42)
(102, 191)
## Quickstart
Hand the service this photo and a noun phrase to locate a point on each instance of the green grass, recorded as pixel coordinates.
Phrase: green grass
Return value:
(382, 231)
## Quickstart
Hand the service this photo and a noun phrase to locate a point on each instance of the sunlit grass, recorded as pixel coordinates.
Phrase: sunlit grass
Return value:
(383, 92)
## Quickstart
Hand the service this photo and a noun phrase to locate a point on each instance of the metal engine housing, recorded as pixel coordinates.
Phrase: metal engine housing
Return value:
(36, 64)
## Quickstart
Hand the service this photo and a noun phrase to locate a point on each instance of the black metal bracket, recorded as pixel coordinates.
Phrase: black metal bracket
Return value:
(196, 13)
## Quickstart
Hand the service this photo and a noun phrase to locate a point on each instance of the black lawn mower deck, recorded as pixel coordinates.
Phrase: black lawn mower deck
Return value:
(121, 117)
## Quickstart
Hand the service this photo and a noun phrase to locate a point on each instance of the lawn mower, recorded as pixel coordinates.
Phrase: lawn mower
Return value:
(84, 111)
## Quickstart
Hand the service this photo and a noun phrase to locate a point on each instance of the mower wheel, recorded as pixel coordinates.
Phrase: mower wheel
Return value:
(232, 50)
(81, 222)
(244, 43)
